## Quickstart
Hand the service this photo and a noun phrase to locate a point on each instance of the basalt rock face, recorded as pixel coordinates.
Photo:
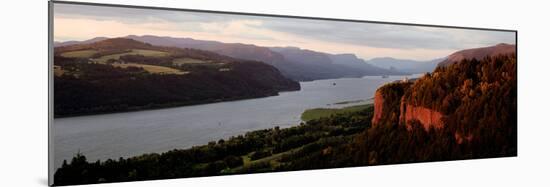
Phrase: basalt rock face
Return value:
(427, 117)
(465, 110)
(378, 107)
(390, 107)
(387, 102)
(470, 99)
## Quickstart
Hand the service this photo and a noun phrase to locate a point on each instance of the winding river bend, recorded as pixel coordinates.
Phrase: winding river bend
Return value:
(134, 133)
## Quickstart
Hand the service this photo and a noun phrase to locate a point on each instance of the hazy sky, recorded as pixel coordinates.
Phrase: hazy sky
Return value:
(367, 40)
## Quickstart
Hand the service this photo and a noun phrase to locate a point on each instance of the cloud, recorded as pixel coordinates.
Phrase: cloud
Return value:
(368, 40)
(389, 36)
(134, 15)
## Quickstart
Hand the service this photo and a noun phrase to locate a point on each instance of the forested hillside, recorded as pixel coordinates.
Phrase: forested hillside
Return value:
(122, 74)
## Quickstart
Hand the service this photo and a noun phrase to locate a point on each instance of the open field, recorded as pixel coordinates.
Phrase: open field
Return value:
(149, 53)
(349, 102)
(79, 54)
(153, 68)
(317, 113)
(273, 161)
(182, 61)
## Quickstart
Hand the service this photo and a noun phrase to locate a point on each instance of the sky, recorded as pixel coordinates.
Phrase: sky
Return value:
(366, 40)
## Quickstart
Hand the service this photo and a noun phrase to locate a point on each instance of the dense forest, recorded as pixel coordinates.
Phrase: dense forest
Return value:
(122, 75)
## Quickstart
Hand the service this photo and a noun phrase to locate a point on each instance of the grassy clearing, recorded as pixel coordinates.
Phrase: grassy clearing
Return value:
(273, 160)
(79, 54)
(151, 53)
(317, 113)
(182, 61)
(144, 52)
(153, 68)
(246, 160)
(349, 102)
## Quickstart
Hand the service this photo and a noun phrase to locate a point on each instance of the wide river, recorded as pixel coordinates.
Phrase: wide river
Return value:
(134, 133)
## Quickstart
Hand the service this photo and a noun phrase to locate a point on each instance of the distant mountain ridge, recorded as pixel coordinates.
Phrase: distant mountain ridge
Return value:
(352, 61)
(105, 44)
(405, 65)
(74, 42)
(330, 65)
(295, 63)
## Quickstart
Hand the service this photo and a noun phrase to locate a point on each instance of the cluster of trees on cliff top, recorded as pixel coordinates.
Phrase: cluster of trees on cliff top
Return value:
(474, 94)
(479, 100)
(122, 74)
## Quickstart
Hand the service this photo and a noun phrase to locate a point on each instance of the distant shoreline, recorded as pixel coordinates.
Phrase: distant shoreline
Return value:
(167, 106)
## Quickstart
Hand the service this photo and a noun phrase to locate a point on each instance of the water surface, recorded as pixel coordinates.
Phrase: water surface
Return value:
(134, 133)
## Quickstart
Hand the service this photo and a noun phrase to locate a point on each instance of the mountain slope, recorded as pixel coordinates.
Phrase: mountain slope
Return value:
(352, 61)
(322, 65)
(404, 65)
(297, 64)
(479, 53)
(122, 74)
(106, 45)
(73, 42)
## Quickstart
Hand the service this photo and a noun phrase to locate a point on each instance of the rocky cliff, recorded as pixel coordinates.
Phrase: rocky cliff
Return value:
(469, 109)
(387, 102)
(471, 99)
(378, 107)
(427, 117)
(450, 88)
(391, 107)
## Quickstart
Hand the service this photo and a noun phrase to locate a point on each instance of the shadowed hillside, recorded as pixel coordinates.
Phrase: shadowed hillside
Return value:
(123, 74)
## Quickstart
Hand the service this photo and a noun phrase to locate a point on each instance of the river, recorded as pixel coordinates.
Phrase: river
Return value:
(134, 133)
